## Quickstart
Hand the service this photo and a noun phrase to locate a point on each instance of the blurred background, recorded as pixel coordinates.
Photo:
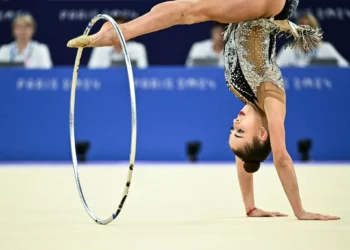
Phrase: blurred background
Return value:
(184, 108)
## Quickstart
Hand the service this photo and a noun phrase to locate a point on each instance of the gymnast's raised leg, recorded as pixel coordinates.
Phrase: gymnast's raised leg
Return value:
(181, 12)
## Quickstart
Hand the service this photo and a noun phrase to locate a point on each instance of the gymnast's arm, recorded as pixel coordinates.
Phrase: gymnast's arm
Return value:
(246, 184)
(275, 112)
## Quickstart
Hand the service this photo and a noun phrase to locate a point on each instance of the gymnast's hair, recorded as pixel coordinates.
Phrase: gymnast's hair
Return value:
(253, 154)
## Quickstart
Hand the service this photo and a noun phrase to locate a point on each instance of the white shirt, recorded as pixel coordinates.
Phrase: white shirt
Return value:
(290, 58)
(35, 55)
(103, 57)
(202, 50)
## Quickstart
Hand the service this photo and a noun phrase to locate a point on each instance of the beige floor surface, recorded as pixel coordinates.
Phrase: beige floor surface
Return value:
(170, 207)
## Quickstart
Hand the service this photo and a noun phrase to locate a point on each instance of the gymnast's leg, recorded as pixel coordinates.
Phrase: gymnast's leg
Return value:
(181, 12)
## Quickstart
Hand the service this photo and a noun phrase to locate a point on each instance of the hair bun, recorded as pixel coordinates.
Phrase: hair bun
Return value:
(251, 166)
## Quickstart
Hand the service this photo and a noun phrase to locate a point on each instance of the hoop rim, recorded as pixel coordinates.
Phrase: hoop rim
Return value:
(133, 120)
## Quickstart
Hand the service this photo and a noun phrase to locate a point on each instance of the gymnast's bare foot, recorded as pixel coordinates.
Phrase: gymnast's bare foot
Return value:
(105, 37)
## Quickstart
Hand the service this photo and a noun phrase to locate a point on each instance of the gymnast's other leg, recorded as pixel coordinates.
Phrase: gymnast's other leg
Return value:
(182, 12)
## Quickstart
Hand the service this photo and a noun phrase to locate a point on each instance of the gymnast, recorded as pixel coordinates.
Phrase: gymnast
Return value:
(251, 74)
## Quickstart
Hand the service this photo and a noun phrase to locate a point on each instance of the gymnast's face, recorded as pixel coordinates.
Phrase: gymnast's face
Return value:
(246, 126)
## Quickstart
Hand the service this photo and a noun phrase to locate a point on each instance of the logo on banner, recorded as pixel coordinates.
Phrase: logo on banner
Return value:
(305, 83)
(9, 15)
(180, 84)
(327, 13)
(87, 15)
(55, 84)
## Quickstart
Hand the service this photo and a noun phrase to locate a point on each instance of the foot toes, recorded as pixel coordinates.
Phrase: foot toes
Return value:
(79, 42)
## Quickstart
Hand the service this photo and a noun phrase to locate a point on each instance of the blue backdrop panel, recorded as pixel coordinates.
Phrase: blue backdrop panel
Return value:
(175, 105)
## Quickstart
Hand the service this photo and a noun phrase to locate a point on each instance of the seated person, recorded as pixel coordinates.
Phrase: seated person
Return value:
(24, 50)
(105, 57)
(208, 49)
(325, 51)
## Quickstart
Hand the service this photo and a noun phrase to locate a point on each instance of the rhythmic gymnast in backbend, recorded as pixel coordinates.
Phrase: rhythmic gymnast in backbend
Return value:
(251, 74)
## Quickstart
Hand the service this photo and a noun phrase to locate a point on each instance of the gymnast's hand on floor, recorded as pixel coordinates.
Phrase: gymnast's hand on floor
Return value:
(261, 213)
(313, 216)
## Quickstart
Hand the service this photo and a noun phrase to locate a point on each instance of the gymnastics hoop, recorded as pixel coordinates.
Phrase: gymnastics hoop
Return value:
(133, 120)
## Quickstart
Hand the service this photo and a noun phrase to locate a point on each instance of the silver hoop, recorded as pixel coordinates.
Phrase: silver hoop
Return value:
(133, 120)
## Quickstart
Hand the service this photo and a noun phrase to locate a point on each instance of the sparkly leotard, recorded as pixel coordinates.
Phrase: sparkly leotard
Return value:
(250, 56)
